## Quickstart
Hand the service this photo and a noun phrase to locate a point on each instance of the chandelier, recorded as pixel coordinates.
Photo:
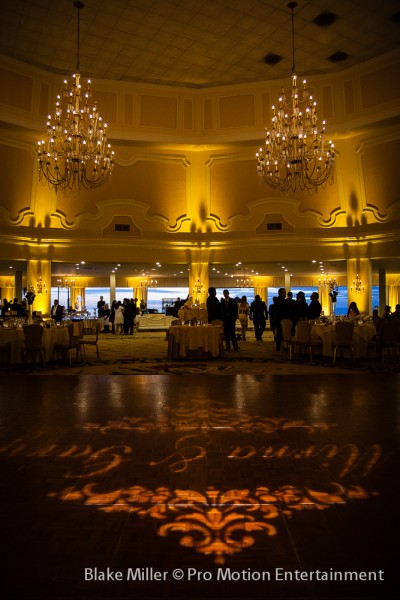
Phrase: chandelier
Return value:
(148, 283)
(295, 153)
(357, 286)
(244, 283)
(329, 283)
(76, 151)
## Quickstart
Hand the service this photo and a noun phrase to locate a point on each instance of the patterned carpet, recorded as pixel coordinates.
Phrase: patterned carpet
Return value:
(146, 353)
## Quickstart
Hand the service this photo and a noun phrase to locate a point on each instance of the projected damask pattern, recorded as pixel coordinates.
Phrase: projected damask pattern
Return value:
(221, 520)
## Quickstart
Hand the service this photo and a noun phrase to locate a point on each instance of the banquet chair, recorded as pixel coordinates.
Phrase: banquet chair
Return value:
(73, 343)
(33, 335)
(343, 338)
(287, 341)
(388, 340)
(5, 352)
(304, 340)
(83, 342)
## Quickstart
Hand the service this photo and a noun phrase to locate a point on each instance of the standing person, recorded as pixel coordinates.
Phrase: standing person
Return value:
(100, 307)
(230, 315)
(111, 318)
(396, 314)
(244, 309)
(281, 313)
(273, 311)
(56, 312)
(142, 305)
(291, 306)
(119, 317)
(106, 317)
(129, 315)
(214, 310)
(314, 308)
(259, 314)
(301, 308)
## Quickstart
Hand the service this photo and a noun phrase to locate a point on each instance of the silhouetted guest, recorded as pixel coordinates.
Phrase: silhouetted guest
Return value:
(301, 312)
(229, 308)
(353, 310)
(281, 313)
(314, 308)
(214, 310)
(177, 306)
(5, 307)
(386, 315)
(129, 315)
(100, 306)
(396, 314)
(259, 314)
(16, 307)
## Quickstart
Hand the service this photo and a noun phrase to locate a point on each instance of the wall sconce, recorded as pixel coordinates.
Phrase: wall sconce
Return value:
(357, 285)
(40, 287)
(198, 287)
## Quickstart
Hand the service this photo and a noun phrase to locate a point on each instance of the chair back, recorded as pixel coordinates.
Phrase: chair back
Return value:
(287, 328)
(33, 335)
(175, 322)
(73, 339)
(344, 332)
(303, 332)
(217, 322)
(389, 333)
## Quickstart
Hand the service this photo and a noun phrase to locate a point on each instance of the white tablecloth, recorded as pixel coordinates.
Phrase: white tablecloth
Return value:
(186, 338)
(16, 339)
(362, 334)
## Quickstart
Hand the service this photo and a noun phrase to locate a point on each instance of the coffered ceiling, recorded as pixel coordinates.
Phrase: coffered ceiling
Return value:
(197, 43)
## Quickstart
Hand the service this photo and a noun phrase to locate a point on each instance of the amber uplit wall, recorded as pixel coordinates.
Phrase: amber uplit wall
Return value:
(185, 177)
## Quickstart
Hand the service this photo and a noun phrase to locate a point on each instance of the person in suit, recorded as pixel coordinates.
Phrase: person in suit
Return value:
(214, 310)
(259, 314)
(230, 314)
(56, 312)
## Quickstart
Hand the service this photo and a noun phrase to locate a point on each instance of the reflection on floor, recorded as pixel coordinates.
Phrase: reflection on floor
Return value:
(199, 487)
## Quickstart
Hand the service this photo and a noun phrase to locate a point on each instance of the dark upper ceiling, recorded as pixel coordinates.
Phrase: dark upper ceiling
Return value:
(197, 43)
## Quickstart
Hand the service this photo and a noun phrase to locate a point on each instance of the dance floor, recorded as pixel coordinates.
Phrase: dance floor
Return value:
(194, 487)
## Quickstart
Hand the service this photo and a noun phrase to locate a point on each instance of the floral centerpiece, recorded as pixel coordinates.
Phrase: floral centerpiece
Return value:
(29, 294)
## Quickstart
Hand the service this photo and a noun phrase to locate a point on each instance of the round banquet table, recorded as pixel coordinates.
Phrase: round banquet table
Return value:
(362, 335)
(15, 337)
(197, 341)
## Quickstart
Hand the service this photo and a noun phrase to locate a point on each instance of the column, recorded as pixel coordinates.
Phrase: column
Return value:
(112, 287)
(18, 285)
(199, 282)
(382, 291)
(360, 269)
(38, 277)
